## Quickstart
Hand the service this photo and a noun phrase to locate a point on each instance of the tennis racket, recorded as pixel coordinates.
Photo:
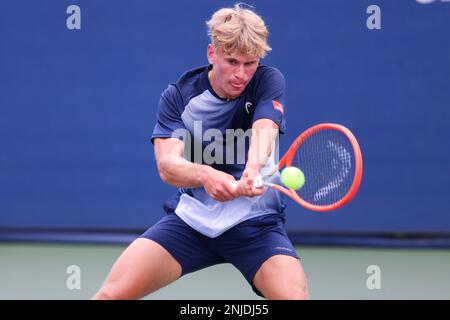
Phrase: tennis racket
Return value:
(331, 160)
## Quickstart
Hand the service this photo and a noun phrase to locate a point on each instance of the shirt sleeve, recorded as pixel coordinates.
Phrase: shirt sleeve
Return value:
(270, 98)
(168, 118)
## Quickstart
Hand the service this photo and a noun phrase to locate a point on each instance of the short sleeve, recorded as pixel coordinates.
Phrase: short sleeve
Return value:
(168, 118)
(270, 95)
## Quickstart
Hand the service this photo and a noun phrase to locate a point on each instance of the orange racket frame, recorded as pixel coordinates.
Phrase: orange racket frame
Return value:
(286, 160)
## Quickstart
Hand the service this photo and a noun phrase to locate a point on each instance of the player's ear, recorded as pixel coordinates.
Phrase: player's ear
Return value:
(210, 53)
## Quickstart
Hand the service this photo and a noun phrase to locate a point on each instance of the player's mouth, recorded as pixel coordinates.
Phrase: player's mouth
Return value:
(238, 86)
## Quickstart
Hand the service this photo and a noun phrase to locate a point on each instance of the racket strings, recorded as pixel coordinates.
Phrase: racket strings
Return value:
(327, 161)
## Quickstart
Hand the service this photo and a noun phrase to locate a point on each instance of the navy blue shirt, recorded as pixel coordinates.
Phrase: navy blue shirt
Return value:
(213, 124)
(192, 99)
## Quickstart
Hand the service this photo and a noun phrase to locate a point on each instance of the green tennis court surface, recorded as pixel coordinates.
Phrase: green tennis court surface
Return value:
(39, 271)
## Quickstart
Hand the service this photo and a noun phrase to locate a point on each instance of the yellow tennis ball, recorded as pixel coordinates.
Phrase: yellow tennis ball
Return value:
(292, 178)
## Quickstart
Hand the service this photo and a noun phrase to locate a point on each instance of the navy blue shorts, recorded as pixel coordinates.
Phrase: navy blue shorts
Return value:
(246, 246)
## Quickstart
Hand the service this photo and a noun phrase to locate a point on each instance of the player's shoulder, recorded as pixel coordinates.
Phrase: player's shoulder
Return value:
(267, 78)
(268, 73)
(187, 85)
(192, 81)
(191, 76)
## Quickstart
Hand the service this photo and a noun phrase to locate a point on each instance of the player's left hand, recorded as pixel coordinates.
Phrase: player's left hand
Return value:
(245, 185)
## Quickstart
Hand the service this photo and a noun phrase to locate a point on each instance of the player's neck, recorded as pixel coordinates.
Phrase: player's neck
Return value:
(215, 87)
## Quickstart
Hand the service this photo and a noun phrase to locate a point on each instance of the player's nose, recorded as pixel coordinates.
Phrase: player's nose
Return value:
(239, 74)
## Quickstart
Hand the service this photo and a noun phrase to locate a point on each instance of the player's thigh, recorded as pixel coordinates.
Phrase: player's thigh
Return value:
(144, 267)
(281, 277)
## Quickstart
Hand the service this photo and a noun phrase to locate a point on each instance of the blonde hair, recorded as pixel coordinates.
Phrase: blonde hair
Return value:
(239, 30)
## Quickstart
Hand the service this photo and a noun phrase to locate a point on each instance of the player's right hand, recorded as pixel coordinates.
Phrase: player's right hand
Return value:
(246, 185)
(219, 185)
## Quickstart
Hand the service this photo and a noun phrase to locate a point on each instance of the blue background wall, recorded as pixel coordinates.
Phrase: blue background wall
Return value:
(77, 108)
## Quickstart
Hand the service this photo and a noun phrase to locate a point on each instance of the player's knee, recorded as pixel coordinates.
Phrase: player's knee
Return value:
(300, 294)
(293, 293)
(297, 294)
(108, 292)
(103, 294)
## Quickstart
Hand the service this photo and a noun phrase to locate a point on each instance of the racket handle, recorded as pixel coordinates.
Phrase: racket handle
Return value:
(258, 182)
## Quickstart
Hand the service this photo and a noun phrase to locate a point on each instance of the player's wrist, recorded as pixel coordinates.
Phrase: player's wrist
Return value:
(204, 174)
(253, 167)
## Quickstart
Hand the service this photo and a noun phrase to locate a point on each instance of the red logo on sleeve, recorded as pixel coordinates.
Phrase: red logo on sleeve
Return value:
(278, 106)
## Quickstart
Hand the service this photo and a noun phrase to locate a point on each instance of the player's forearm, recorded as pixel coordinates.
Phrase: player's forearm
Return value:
(181, 173)
(261, 146)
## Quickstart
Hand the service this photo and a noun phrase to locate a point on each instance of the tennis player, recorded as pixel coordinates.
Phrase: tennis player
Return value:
(217, 215)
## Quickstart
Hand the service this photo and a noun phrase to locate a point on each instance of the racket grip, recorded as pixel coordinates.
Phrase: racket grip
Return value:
(258, 182)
